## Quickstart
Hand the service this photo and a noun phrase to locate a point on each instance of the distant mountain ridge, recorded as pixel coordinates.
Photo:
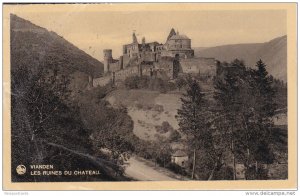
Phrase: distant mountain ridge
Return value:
(34, 46)
(273, 53)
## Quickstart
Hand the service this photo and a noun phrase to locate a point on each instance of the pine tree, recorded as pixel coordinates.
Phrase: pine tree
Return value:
(192, 119)
(231, 98)
(264, 92)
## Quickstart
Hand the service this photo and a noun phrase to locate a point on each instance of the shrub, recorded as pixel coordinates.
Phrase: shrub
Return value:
(261, 174)
(164, 128)
(176, 169)
(225, 173)
(158, 108)
(174, 136)
(136, 82)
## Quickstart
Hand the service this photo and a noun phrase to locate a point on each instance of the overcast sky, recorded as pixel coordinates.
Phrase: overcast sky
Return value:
(95, 31)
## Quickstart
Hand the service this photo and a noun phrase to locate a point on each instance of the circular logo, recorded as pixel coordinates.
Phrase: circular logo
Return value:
(21, 169)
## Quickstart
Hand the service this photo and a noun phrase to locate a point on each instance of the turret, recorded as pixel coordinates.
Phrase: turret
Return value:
(134, 39)
(172, 32)
(107, 59)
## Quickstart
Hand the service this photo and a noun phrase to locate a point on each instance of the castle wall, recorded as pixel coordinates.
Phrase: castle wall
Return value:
(202, 66)
(181, 53)
(115, 66)
(123, 74)
(148, 56)
(120, 75)
(166, 53)
(126, 60)
(166, 66)
(179, 44)
(107, 59)
(101, 81)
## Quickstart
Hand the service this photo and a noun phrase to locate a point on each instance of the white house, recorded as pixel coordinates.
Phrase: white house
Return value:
(180, 158)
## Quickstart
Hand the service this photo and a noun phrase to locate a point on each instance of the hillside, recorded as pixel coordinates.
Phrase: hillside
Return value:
(35, 46)
(273, 53)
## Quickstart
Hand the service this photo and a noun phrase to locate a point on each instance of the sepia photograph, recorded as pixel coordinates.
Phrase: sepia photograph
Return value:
(149, 92)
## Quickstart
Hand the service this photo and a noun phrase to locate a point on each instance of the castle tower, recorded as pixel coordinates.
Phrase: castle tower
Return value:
(134, 39)
(172, 32)
(107, 59)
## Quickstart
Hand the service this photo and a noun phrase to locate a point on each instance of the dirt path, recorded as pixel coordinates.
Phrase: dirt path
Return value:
(144, 170)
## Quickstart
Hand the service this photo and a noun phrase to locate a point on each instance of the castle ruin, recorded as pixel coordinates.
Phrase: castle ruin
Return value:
(174, 56)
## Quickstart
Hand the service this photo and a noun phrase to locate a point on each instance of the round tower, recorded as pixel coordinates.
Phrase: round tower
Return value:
(107, 59)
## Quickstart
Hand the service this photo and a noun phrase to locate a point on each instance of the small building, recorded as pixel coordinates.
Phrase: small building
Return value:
(180, 158)
(240, 171)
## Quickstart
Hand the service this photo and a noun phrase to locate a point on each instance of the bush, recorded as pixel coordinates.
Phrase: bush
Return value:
(174, 136)
(225, 173)
(145, 82)
(136, 82)
(164, 128)
(158, 108)
(176, 169)
(261, 174)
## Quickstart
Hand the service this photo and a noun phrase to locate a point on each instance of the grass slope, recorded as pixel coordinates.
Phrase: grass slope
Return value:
(34, 46)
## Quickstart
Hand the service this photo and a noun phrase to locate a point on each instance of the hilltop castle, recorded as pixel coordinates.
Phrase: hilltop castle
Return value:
(155, 59)
(176, 45)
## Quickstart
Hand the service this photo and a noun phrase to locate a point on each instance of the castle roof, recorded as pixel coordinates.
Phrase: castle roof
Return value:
(181, 36)
(153, 43)
(172, 32)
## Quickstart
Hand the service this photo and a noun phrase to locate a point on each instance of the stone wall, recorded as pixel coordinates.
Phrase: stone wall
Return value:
(101, 81)
(166, 66)
(148, 56)
(114, 66)
(119, 75)
(202, 66)
(123, 74)
(163, 69)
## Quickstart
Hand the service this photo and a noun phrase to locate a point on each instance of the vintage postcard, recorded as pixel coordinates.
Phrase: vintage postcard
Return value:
(150, 96)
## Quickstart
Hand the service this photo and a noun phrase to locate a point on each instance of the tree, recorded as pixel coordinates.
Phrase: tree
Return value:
(245, 101)
(46, 128)
(180, 82)
(232, 99)
(262, 84)
(40, 110)
(262, 87)
(192, 119)
(174, 136)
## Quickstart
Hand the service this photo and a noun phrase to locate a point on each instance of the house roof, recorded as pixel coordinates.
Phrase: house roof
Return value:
(179, 153)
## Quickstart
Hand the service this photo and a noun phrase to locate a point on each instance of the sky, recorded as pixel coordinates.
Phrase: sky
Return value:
(93, 31)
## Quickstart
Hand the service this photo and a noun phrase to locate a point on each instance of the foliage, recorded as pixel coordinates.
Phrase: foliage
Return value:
(45, 121)
(180, 82)
(164, 128)
(42, 114)
(245, 98)
(146, 82)
(194, 121)
(174, 136)
(159, 151)
(224, 173)
(111, 127)
(136, 82)
(176, 169)
(256, 174)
